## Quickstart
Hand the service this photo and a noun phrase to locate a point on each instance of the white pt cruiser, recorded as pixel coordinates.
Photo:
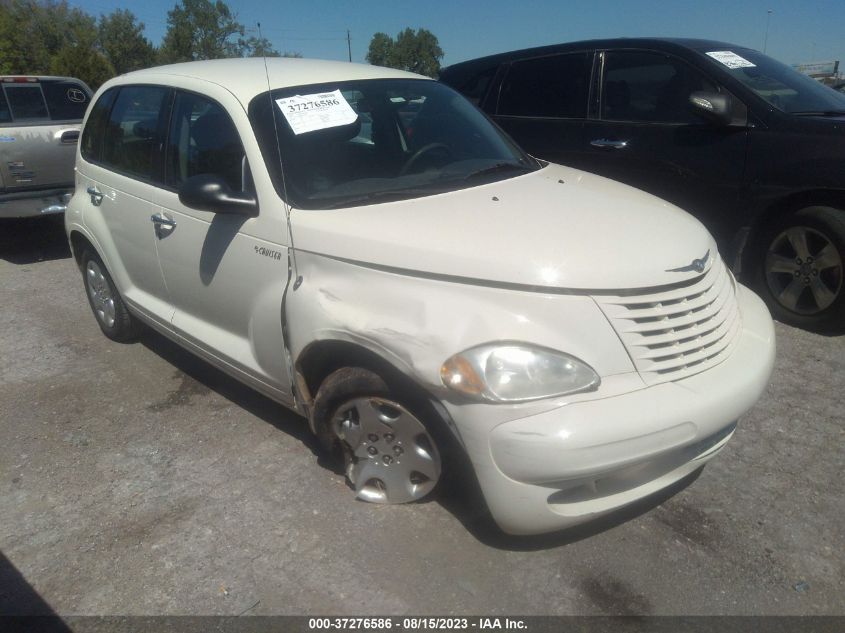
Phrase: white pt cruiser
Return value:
(363, 246)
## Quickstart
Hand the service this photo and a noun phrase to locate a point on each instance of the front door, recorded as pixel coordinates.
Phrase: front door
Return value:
(648, 136)
(226, 274)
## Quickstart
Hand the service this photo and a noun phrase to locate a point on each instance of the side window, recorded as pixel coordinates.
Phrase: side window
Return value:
(130, 142)
(66, 100)
(95, 127)
(475, 88)
(26, 101)
(649, 86)
(554, 86)
(361, 107)
(203, 140)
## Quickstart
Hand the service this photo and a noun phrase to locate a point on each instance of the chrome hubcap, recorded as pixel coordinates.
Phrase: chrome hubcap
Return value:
(100, 293)
(804, 270)
(391, 458)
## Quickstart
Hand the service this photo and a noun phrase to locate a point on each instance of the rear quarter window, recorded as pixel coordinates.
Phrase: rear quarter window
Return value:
(92, 136)
(66, 100)
(5, 114)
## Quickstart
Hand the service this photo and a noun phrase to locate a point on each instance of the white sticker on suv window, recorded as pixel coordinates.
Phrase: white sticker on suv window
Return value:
(730, 59)
(307, 113)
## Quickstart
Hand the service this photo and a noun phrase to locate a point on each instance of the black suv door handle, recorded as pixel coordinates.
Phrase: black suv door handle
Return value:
(609, 143)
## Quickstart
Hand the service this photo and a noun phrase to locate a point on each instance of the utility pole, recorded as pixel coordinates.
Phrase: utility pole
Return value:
(349, 44)
(766, 38)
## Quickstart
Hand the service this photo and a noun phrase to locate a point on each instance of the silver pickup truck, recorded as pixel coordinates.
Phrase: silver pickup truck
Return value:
(40, 119)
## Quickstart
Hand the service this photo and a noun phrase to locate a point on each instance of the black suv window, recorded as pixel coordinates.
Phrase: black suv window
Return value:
(649, 86)
(475, 88)
(554, 86)
(26, 101)
(130, 141)
(203, 140)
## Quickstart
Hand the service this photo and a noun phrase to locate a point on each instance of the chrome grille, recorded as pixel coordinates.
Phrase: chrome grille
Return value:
(674, 332)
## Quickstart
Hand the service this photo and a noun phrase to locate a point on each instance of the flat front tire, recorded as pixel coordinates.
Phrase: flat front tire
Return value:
(391, 455)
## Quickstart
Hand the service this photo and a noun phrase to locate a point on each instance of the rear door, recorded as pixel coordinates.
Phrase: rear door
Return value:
(119, 172)
(39, 130)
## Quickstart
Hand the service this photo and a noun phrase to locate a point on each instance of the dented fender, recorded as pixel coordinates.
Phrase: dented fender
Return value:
(415, 323)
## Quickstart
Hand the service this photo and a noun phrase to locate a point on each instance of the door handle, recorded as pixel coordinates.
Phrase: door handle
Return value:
(610, 143)
(70, 137)
(162, 222)
(96, 196)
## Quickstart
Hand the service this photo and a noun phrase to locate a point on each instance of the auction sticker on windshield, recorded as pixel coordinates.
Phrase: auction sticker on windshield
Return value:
(307, 113)
(730, 59)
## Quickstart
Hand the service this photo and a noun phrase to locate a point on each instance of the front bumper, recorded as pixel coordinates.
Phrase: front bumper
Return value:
(566, 466)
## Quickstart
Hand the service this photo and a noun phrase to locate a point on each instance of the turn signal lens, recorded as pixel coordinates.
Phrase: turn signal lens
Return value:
(458, 373)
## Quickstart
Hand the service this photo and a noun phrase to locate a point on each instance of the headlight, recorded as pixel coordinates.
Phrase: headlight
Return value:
(514, 372)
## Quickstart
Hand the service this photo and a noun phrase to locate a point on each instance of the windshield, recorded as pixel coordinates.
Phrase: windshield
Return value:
(781, 86)
(370, 141)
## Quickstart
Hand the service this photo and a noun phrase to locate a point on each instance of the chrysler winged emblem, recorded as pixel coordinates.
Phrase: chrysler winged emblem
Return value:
(697, 265)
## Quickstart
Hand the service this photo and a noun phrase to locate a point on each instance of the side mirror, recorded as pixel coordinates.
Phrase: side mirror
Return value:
(208, 192)
(713, 106)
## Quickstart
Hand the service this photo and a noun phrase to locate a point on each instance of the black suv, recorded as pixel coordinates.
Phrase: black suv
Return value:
(747, 144)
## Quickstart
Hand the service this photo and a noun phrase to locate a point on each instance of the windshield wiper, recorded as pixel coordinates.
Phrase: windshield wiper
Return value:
(820, 113)
(380, 196)
(498, 167)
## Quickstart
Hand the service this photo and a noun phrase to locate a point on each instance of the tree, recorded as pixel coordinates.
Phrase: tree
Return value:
(417, 52)
(201, 29)
(39, 37)
(259, 47)
(79, 56)
(381, 50)
(123, 42)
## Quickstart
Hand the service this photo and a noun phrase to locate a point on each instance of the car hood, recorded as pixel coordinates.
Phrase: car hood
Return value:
(555, 228)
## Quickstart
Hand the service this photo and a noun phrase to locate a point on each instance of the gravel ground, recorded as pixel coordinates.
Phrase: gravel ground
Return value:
(135, 479)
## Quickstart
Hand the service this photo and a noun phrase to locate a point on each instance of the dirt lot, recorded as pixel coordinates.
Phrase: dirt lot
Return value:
(135, 479)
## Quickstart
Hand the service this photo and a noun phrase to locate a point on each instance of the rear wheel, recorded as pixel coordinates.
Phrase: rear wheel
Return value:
(391, 454)
(801, 275)
(106, 303)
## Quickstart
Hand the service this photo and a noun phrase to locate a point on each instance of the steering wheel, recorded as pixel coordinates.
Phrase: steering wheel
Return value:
(425, 149)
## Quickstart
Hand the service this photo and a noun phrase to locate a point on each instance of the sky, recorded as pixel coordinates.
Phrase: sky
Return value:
(798, 32)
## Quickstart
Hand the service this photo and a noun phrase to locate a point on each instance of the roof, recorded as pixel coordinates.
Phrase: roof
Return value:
(248, 77)
(660, 42)
(40, 78)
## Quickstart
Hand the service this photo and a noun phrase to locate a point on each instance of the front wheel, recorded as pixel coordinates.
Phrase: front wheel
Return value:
(801, 273)
(391, 455)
